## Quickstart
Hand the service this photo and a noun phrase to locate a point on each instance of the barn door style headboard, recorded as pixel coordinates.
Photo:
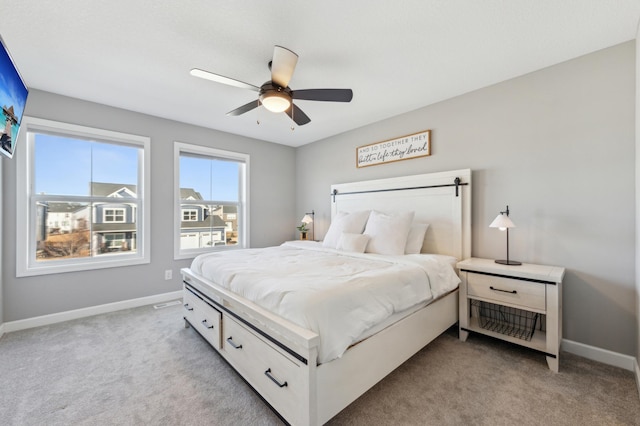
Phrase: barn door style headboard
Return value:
(443, 200)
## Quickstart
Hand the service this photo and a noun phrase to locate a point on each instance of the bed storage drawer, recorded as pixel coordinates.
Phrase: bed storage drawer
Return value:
(189, 306)
(275, 375)
(508, 290)
(203, 317)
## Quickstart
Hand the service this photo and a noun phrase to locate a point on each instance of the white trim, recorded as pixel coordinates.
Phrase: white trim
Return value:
(117, 195)
(1, 330)
(195, 211)
(25, 252)
(90, 311)
(114, 209)
(604, 356)
(243, 196)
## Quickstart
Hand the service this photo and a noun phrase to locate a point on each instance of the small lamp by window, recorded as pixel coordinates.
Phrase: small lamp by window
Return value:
(308, 219)
(504, 223)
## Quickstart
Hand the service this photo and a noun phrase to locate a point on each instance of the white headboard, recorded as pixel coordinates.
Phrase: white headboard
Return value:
(435, 198)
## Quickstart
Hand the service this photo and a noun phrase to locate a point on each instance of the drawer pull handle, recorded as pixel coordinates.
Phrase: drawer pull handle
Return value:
(187, 307)
(504, 291)
(204, 322)
(230, 341)
(269, 375)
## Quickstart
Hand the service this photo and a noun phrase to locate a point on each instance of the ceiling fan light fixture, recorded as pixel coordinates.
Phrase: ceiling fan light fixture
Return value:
(276, 101)
(275, 94)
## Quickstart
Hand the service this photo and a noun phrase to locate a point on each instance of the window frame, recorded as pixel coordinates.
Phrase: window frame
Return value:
(117, 211)
(243, 197)
(193, 215)
(26, 264)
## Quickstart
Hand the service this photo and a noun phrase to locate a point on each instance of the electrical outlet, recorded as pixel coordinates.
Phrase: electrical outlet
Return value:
(168, 274)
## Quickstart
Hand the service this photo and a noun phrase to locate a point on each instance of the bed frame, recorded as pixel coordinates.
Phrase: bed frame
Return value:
(279, 359)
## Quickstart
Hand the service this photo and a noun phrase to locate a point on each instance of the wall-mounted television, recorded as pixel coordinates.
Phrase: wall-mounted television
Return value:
(13, 97)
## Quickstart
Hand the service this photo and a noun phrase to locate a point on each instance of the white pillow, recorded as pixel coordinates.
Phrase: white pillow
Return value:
(388, 232)
(345, 222)
(353, 242)
(415, 239)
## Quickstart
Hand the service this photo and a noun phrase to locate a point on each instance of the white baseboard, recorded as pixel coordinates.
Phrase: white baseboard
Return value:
(638, 376)
(1, 330)
(601, 355)
(87, 312)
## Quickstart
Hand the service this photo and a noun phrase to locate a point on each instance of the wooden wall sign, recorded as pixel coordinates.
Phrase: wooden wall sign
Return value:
(402, 148)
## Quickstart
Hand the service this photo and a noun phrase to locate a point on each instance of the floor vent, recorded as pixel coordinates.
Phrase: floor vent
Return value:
(164, 305)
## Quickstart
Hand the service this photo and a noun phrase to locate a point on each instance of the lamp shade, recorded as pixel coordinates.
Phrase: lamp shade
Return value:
(307, 219)
(276, 101)
(502, 221)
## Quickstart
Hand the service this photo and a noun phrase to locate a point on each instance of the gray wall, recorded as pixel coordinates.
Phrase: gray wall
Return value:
(638, 201)
(557, 146)
(272, 208)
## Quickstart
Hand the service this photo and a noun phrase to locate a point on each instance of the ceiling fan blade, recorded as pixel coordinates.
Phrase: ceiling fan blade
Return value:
(282, 66)
(245, 108)
(329, 95)
(196, 72)
(297, 115)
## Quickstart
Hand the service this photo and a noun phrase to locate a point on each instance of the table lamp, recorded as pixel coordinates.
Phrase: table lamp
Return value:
(504, 223)
(308, 219)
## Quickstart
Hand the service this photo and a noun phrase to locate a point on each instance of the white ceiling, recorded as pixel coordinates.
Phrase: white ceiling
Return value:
(397, 56)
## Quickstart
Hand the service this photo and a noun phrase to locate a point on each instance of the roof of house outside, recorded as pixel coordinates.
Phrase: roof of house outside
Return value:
(187, 193)
(103, 189)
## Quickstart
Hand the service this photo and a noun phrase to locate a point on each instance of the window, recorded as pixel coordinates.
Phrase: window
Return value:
(85, 194)
(114, 242)
(189, 215)
(113, 215)
(211, 200)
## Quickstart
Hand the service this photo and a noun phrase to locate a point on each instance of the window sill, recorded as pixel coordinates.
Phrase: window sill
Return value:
(79, 267)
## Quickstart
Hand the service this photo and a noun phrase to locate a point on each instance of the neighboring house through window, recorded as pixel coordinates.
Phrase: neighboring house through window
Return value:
(115, 227)
(85, 194)
(211, 200)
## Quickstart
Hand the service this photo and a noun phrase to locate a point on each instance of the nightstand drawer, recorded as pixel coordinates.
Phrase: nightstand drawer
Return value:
(529, 295)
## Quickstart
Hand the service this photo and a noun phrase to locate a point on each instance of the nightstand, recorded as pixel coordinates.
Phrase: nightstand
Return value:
(520, 304)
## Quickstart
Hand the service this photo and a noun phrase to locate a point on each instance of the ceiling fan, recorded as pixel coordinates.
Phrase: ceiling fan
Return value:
(276, 95)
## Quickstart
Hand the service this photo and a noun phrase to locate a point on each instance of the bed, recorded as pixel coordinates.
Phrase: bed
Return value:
(282, 342)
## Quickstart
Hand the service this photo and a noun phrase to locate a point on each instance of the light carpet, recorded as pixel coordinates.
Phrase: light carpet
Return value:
(142, 367)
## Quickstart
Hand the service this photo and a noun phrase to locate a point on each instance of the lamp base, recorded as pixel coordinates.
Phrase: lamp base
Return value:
(508, 262)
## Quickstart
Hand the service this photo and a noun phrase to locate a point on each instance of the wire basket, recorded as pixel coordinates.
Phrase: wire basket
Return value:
(501, 319)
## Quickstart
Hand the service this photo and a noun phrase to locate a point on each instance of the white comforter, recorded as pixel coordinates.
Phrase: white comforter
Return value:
(336, 294)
